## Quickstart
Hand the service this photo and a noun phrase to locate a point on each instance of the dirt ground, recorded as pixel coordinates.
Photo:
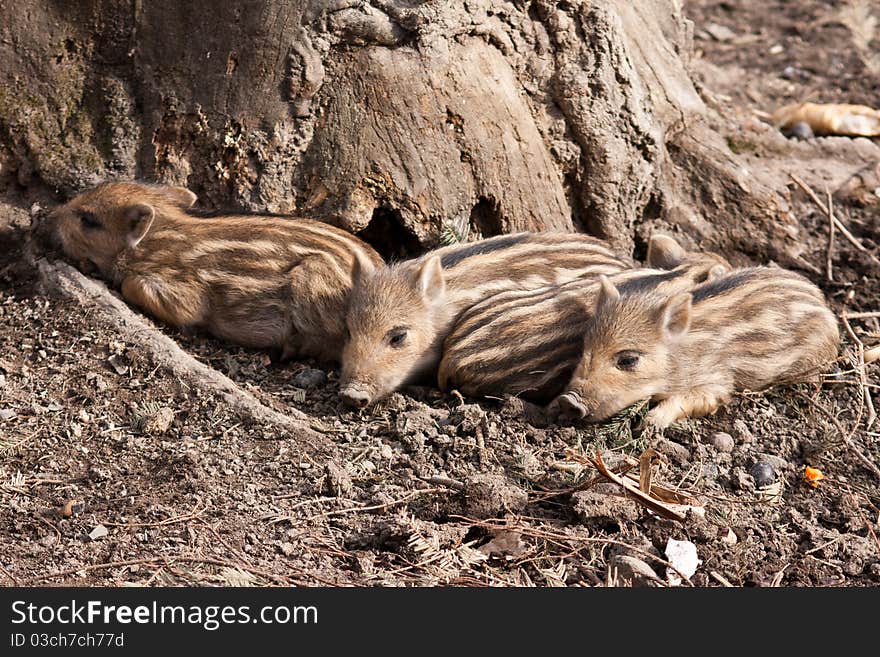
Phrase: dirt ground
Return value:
(172, 488)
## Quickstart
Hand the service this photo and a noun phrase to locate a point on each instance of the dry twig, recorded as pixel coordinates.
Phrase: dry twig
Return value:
(847, 438)
(11, 577)
(828, 212)
(195, 513)
(829, 273)
(664, 501)
(721, 579)
(863, 377)
(381, 507)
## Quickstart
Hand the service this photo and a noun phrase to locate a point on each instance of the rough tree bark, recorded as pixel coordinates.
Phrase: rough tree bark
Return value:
(391, 118)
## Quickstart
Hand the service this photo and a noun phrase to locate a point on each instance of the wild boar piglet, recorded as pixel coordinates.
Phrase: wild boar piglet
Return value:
(748, 330)
(262, 281)
(527, 343)
(399, 314)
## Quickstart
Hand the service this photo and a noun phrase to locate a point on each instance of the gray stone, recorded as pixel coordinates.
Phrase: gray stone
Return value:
(337, 482)
(801, 130)
(309, 378)
(720, 32)
(763, 473)
(779, 464)
(632, 571)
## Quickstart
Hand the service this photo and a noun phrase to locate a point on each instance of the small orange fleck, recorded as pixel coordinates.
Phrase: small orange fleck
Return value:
(813, 476)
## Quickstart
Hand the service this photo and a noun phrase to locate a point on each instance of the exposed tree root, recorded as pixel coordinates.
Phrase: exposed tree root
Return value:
(61, 278)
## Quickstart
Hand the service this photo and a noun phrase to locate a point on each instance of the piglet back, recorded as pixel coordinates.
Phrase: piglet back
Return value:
(772, 325)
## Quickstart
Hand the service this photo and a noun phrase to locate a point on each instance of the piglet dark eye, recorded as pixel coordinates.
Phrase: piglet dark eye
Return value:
(89, 220)
(627, 360)
(397, 336)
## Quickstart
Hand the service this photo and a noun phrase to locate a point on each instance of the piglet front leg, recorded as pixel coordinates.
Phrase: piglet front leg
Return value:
(693, 403)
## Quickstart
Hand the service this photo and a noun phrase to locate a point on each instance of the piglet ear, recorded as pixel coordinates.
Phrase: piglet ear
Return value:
(675, 318)
(179, 196)
(664, 252)
(361, 267)
(138, 219)
(608, 294)
(429, 279)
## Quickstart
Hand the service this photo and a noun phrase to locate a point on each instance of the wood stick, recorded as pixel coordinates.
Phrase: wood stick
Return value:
(381, 507)
(868, 463)
(829, 273)
(863, 377)
(843, 229)
(720, 579)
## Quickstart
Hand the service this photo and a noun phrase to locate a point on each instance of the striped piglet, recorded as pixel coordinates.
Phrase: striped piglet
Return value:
(527, 343)
(748, 330)
(259, 281)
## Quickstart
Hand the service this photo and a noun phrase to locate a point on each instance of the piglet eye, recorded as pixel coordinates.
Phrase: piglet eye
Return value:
(89, 220)
(396, 337)
(627, 360)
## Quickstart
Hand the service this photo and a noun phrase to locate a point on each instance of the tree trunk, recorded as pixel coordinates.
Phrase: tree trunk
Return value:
(395, 119)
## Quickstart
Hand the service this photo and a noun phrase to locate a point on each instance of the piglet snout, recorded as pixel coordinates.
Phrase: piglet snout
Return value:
(354, 396)
(571, 406)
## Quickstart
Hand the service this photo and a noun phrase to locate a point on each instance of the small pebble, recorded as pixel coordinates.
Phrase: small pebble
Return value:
(7, 414)
(720, 32)
(763, 474)
(310, 378)
(721, 441)
(633, 571)
(801, 130)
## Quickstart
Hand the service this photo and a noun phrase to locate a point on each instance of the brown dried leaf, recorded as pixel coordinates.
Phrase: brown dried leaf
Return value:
(656, 506)
(71, 508)
(645, 473)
